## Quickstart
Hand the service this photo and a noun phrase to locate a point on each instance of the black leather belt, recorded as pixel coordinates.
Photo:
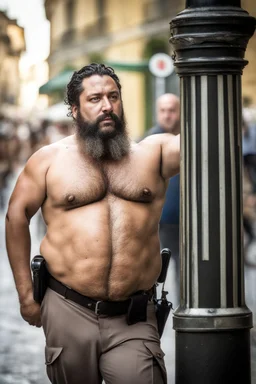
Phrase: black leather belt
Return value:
(109, 308)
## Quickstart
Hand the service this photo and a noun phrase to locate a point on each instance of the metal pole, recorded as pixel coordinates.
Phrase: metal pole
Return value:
(212, 323)
(159, 86)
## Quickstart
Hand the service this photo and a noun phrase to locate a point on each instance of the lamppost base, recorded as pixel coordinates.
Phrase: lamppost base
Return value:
(213, 345)
(213, 357)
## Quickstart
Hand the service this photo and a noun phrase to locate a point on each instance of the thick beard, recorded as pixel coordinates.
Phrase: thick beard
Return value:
(103, 145)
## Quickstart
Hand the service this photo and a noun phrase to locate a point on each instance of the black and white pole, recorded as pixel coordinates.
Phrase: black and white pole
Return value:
(212, 323)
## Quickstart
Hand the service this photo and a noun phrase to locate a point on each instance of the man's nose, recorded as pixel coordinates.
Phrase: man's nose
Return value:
(107, 106)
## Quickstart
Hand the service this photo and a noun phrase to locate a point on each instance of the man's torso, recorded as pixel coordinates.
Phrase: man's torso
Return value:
(102, 221)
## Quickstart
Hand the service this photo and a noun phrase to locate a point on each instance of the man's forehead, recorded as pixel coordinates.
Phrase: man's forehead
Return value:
(97, 83)
(168, 104)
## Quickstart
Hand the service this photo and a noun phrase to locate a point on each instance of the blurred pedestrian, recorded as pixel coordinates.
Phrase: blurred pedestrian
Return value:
(23, 134)
(168, 121)
(249, 166)
(38, 135)
(101, 196)
(9, 148)
(58, 130)
(249, 152)
(5, 168)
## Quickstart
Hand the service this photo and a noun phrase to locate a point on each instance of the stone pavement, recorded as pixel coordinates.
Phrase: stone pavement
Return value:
(22, 346)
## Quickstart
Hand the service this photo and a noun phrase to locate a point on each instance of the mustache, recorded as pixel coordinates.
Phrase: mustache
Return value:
(112, 115)
(91, 129)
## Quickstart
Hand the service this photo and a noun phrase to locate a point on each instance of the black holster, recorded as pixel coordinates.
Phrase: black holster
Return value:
(40, 278)
(162, 305)
(137, 310)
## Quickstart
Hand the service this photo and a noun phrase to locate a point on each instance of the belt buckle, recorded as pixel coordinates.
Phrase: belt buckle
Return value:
(97, 309)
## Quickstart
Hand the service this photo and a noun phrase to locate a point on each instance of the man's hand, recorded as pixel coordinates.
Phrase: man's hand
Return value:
(30, 311)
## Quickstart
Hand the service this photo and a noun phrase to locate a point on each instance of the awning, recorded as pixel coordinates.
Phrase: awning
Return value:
(56, 83)
(60, 81)
(141, 66)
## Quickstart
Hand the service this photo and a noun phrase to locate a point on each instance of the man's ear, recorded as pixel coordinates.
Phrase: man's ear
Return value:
(74, 111)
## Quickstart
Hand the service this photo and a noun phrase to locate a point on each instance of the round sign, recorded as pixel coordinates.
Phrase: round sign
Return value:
(161, 65)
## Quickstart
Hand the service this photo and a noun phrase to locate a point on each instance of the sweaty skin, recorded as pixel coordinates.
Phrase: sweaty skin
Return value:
(102, 216)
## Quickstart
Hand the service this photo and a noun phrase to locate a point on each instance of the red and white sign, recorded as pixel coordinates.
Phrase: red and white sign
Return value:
(161, 65)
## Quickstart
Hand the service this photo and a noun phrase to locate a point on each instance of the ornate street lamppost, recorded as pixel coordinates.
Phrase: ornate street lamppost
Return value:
(212, 323)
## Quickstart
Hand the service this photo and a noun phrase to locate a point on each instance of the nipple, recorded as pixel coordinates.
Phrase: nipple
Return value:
(146, 192)
(71, 198)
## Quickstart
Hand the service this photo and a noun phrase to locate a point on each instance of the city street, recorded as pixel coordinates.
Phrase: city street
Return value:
(22, 346)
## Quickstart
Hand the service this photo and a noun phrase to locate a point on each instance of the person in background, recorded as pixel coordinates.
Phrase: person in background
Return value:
(168, 121)
(249, 182)
(101, 197)
(9, 152)
(249, 152)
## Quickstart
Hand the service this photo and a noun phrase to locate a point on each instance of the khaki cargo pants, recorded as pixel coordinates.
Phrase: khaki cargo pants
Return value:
(83, 348)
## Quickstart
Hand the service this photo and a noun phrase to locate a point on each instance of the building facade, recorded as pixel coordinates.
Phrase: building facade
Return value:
(123, 35)
(12, 44)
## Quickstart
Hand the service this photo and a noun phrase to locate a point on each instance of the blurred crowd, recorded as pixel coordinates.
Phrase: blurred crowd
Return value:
(19, 139)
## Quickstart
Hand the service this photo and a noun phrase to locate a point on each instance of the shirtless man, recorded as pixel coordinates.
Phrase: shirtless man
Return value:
(101, 197)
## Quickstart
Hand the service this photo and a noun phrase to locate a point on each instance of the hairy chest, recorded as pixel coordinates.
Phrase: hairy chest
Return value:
(71, 185)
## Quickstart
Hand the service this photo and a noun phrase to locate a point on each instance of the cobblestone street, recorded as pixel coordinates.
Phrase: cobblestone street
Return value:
(22, 346)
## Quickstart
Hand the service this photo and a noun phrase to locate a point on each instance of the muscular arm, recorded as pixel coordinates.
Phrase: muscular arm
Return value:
(170, 155)
(27, 197)
(168, 147)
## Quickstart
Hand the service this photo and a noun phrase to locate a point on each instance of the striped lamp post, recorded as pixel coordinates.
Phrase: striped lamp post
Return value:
(212, 323)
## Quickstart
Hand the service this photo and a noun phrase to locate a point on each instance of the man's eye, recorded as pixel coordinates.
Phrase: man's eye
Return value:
(113, 97)
(94, 99)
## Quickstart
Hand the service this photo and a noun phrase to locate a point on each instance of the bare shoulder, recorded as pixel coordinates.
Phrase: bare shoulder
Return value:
(149, 142)
(158, 140)
(41, 160)
(46, 154)
(168, 146)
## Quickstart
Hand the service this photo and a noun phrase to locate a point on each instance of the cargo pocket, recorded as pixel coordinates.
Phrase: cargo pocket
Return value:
(158, 357)
(53, 365)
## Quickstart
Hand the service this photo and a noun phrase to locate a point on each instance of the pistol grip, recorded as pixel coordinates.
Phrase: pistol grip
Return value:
(165, 255)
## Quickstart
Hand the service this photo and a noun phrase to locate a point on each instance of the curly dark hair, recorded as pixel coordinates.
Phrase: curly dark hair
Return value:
(75, 87)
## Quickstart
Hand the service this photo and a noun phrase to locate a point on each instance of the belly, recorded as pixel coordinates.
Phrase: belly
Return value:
(104, 252)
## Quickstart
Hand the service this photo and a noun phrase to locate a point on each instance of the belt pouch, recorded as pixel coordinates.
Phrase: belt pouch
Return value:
(137, 310)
